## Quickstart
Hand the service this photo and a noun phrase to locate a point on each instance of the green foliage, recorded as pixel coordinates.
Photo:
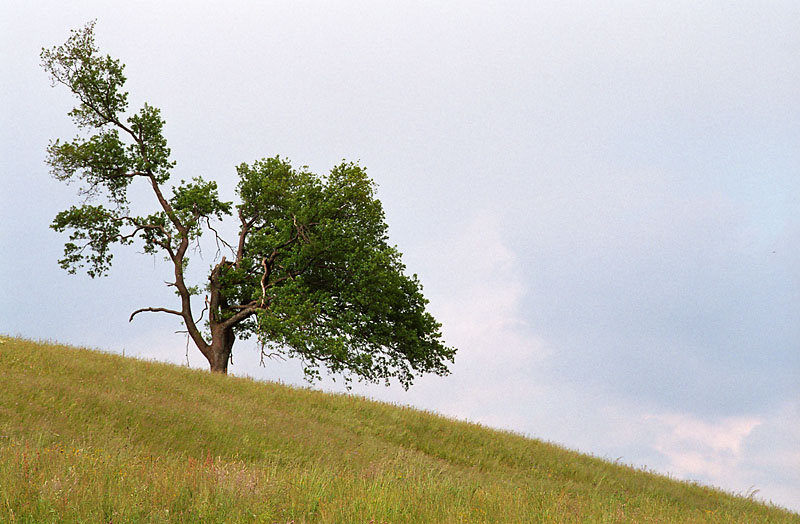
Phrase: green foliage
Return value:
(94, 228)
(336, 292)
(103, 160)
(311, 275)
(149, 154)
(198, 198)
(87, 436)
(97, 81)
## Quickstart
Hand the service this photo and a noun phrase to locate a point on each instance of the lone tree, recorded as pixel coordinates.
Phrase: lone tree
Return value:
(310, 274)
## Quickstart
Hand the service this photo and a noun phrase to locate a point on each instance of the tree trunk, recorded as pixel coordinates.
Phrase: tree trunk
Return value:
(220, 349)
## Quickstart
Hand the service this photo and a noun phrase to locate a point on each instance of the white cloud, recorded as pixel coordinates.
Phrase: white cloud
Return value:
(748, 454)
(482, 306)
(693, 446)
(770, 457)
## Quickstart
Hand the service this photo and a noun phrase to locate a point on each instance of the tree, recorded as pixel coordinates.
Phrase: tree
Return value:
(310, 274)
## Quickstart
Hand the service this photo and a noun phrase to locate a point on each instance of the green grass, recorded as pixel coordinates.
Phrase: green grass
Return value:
(92, 437)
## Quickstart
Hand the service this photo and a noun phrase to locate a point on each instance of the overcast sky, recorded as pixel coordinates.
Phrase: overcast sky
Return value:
(601, 202)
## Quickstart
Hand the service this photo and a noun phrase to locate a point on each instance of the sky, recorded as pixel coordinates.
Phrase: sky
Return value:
(600, 199)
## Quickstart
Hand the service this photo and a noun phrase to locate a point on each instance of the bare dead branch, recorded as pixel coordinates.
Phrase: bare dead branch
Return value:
(203, 312)
(301, 230)
(253, 304)
(271, 355)
(219, 239)
(155, 310)
(264, 278)
(246, 225)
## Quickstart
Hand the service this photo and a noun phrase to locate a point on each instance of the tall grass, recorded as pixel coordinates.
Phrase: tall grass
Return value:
(92, 437)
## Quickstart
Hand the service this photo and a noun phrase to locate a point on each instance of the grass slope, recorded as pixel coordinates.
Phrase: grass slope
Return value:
(93, 437)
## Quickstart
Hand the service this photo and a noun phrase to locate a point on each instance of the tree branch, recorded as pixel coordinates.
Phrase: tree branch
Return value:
(132, 174)
(253, 304)
(155, 310)
(246, 225)
(219, 238)
(264, 278)
(289, 274)
(165, 205)
(238, 317)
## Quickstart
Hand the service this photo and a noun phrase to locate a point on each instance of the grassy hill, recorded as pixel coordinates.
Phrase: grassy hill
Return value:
(98, 438)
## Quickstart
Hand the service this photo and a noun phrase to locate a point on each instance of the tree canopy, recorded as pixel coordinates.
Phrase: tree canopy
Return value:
(311, 273)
